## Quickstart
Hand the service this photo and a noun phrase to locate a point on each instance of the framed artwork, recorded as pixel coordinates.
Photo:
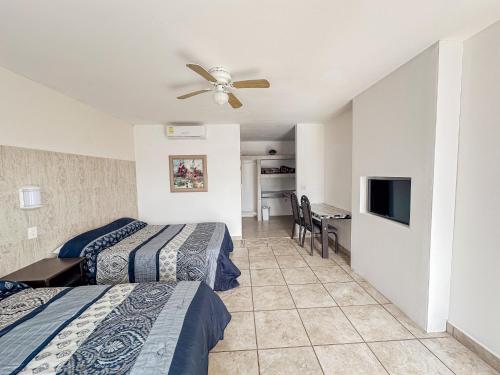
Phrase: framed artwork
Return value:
(188, 173)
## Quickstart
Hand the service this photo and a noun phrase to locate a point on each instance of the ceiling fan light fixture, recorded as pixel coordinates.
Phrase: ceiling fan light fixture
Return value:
(220, 97)
(222, 85)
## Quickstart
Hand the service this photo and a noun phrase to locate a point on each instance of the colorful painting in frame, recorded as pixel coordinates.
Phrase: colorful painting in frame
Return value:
(188, 173)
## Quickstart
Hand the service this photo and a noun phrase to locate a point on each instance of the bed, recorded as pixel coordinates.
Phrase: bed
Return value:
(129, 250)
(148, 328)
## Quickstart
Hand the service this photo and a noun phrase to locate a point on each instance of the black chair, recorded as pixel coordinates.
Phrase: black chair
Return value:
(313, 226)
(297, 215)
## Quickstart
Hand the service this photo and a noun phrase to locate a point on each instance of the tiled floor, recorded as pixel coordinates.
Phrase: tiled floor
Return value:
(278, 226)
(294, 314)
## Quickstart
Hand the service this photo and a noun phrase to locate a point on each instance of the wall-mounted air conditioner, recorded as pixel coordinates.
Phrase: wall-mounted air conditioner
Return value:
(186, 131)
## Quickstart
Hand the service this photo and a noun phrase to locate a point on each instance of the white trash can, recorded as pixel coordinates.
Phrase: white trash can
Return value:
(265, 212)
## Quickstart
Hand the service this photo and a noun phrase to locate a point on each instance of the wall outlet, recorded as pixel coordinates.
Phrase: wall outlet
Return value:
(32, 233)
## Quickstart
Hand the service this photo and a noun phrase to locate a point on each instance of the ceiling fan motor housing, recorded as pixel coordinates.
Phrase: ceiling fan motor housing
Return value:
(221, 74)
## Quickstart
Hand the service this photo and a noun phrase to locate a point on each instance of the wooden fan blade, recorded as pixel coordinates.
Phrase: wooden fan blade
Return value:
(202, 72)
(185, 96)
(233, 101)
(252, 84)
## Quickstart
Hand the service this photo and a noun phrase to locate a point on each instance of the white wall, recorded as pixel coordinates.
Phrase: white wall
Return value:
(222, 202)
(262, 147)
(444, 182)
(475, 302)
(34, 116)
(338, 161)
(310, 161)
(338, 170)
(394, 134)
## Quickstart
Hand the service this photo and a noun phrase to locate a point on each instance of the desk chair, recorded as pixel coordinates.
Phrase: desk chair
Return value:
(312, 225)
(297, 215)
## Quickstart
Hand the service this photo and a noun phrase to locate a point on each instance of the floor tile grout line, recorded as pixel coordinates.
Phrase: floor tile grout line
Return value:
(313, 345)
(395, 317)
(435, 355)
(399, 320)
(364, 341)
(305, 330)
(382, 306)
(364, 288)
(253, 314)
(324, 307)
(273, 348)
(368, 304)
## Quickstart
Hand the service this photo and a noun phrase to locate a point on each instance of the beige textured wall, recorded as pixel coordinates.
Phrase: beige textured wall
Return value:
(79, 193)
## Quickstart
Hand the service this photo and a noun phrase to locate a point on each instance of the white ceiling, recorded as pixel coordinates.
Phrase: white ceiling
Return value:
(267, 132)
(127, 57)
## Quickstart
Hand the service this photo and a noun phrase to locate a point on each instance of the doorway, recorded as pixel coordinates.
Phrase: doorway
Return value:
(267, 178)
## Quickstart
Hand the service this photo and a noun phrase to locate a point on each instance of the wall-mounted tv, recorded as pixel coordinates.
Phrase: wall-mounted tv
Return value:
(389, 197)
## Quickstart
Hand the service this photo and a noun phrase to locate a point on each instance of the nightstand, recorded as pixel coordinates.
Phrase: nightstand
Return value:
(50, 272)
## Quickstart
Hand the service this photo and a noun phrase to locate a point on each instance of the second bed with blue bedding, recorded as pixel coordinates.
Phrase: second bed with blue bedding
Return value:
(150, 328)
(129, 250)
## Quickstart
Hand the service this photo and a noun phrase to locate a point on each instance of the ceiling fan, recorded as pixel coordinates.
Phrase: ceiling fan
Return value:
(223, 85)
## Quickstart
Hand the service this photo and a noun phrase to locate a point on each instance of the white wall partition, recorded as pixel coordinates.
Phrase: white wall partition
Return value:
(393, 135)
(444, 182)
(475, 302)
(338, 170)
(406, 125)
(222, 202)
(338, 161)
(310, 161)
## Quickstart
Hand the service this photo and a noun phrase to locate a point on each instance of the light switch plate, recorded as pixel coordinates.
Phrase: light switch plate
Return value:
(32, 233)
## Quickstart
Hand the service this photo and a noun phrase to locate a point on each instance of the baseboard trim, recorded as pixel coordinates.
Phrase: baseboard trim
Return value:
(248, 214)
(471, 344)
(342, 249)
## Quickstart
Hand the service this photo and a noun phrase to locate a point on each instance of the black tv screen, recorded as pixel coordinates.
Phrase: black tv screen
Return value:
(390, 198)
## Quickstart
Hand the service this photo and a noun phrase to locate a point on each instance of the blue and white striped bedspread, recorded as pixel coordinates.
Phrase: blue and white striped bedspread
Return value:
(150, 328)
(129, 250)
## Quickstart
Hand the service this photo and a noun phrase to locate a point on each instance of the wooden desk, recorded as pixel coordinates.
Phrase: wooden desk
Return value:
(49, 272)
(327, 214)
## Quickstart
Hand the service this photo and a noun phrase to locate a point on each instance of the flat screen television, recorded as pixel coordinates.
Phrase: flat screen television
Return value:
(390, 198)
